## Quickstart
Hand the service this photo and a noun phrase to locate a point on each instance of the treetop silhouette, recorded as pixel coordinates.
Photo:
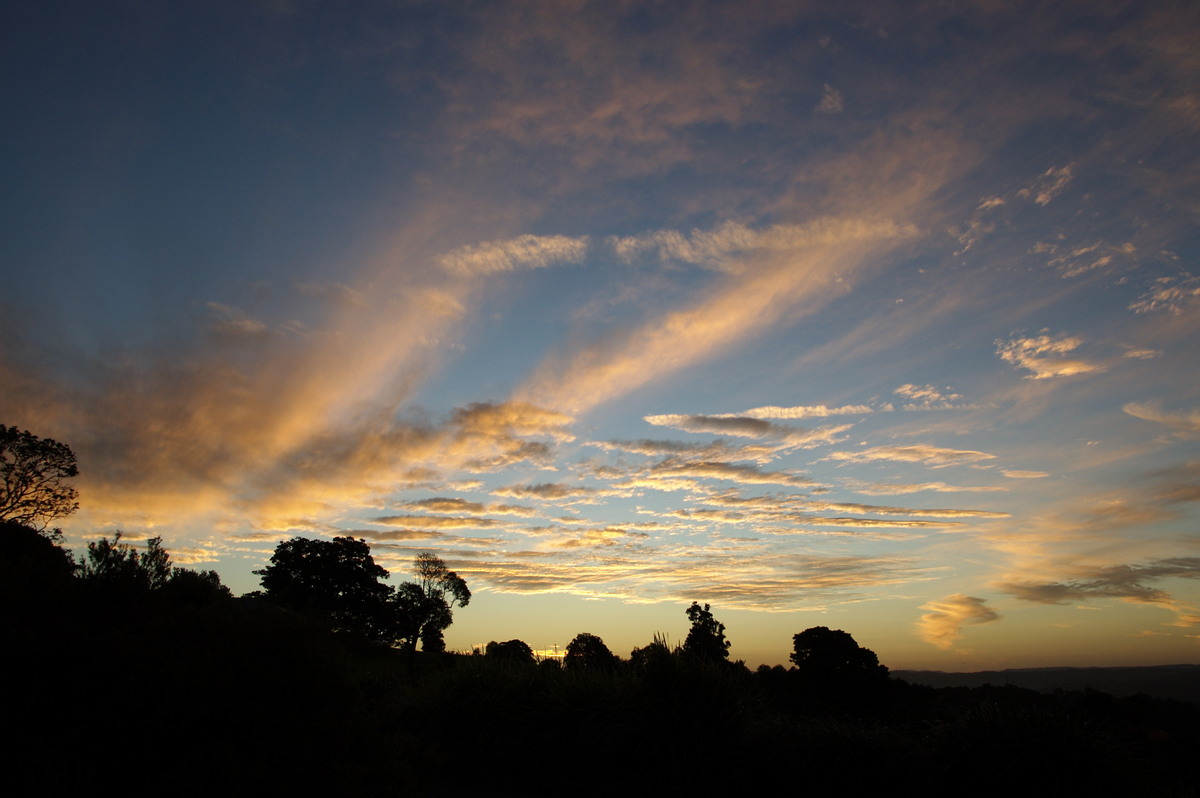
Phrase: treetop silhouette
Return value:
(33, 471)
(339, 580)
(513, 652)
(706, 639)
(588, 652)
(824, 653)
(424, 609)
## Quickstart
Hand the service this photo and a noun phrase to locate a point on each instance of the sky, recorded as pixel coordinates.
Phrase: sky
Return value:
(877, 316)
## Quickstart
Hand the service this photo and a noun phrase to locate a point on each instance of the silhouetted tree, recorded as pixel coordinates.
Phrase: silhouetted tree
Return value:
(195, 587)
(337, 579)
(117, 567)
(423, 610)
(706, 639)
(33, 471)
(824, 653)
(515, 652)
(588, 652)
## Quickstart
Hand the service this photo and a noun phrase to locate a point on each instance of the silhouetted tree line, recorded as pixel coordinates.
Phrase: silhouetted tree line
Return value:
(128, 673)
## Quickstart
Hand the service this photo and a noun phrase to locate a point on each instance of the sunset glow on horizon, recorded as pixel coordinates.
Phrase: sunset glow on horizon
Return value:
(881, 317)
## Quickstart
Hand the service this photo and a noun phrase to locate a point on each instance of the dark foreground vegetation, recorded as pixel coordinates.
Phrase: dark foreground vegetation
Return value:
(127, 675)
(168, 685)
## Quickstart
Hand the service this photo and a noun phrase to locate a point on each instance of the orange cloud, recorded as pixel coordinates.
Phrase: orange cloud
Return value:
(942, 625)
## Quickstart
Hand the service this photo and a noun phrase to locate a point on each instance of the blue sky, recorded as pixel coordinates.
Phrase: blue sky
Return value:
(881, 317)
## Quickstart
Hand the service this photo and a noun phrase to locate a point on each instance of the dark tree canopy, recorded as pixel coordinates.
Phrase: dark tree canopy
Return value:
(706, 639)
(424, 609)
(195, 587)
(335, 578)
(33, 474)
(119, 567)
(825, 653)
(516, 652)
(588, 652)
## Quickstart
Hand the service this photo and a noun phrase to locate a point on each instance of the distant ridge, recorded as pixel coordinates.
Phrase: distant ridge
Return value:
(1181, 682)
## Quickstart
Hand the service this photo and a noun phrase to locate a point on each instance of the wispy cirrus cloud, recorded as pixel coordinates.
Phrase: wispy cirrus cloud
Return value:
(731, 472)
(1048, 185)
(748, 427)
(233, 324)
(901, 488)
(809, 266)
(876, 509)
(1016, 473)
(548, 491)
(755, 579)
(393, 535)
(515, 254)
(1073, 261)
(1046, 356)
(1174, 294)
(713, 450)
(927, 397)
(585, 536)
(809, 411)
(1185, 422)
(451, 505)
(721, 425)
(720, 247)
(434, 521)
(933, 456)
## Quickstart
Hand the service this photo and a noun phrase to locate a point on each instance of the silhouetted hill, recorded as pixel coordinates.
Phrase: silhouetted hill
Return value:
(1180, 682)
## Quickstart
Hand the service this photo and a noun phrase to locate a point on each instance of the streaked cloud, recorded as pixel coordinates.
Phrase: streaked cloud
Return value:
(814, 411)
(544, 490)
(1045, 356)
(712, 450)
(443, 504)
(672, 469)
(230, 323)
(927, 397)
(1174, 294)
(894, 489)
(1186, 421)
(1049, 185)
(522, 252)
(391, 535)
(1177, 483)
(876, 509)
(943, 625)
(719, 247)
(1132, 583)
(804, 267)
(753, 580)
(933, 456)
(748, 427)
(433, 521)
